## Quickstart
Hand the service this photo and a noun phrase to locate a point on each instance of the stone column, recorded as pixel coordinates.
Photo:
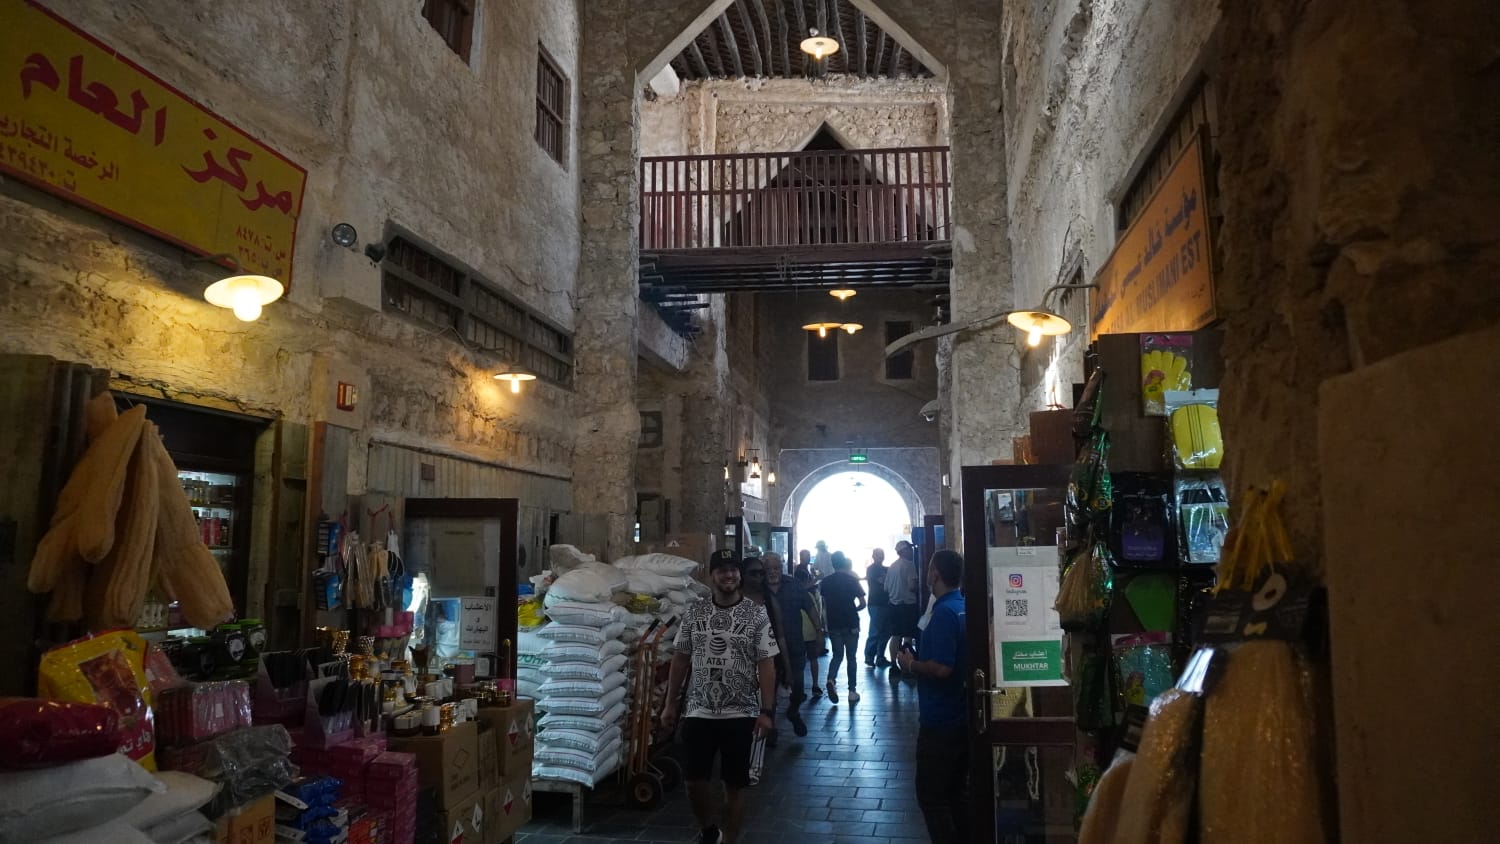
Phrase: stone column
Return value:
(706, 496)
(606, 300)
(983, 373)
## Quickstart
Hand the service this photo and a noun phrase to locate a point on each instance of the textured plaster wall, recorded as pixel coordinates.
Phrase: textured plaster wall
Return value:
(391, 126)
(1082, 107)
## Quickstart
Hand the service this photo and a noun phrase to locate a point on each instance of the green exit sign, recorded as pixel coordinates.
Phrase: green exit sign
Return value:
(859, 458)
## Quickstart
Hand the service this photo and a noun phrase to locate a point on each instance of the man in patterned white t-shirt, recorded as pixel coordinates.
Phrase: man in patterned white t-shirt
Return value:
(725, 643)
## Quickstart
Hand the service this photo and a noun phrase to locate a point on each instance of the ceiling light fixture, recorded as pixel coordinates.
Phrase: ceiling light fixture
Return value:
(244, 293)
(842, 294)
(515, 375)
(1041, 321)
(771, 478)
(822, 327)
(818, 46)
(851, 327)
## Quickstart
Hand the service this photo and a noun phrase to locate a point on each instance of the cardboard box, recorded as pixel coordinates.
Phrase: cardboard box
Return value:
(489, 759)
(464, 822)
(253, 823)
(447, 763)
(509, 808)
(514, 739)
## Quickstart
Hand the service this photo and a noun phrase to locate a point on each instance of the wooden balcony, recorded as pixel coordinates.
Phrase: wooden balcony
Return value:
(814, 219)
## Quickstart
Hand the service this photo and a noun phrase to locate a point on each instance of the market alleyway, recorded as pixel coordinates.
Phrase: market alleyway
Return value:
(848, 780)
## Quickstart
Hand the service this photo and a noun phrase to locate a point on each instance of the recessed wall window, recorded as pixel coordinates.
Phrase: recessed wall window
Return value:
(823, 356)
(447, 296)
(454, 20)
(1197, 111)
(898, 367)
(551, 107)
(651, 432)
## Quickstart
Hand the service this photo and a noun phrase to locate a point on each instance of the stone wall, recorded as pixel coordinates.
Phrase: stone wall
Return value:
(393, 129)
(776, 115)
(1358, 182)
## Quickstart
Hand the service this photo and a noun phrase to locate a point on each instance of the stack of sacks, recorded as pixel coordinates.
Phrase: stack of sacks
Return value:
(529, 661)
(666, 578)
(584, 694)
(564, 558)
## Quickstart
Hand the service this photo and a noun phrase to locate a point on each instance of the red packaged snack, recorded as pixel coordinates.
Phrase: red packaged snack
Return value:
(36, 733)
(110, 669)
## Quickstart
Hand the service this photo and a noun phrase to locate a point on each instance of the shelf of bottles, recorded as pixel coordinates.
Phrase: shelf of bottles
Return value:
(212, 496)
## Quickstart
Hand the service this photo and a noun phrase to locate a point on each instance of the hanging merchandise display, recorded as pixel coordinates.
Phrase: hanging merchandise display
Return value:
(1166, 364)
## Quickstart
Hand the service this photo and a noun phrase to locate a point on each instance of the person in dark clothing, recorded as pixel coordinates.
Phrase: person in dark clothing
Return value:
(880, 603)
(793, 600)
(843, 598)
(942, 776)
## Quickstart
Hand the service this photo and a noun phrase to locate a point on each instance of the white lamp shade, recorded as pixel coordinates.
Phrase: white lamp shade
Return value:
(1039, 321)
(244, 294)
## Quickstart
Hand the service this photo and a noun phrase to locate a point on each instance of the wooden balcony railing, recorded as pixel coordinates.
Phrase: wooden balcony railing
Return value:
(788, 199)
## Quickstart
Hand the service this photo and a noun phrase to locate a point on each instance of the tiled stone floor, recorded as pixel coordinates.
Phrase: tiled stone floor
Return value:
(848, 780)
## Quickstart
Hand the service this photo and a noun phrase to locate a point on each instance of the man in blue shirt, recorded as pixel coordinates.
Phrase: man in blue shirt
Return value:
(942, 743)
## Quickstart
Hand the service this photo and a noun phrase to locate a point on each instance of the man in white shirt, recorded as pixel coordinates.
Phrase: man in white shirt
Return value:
(901, 586)
(726, 644)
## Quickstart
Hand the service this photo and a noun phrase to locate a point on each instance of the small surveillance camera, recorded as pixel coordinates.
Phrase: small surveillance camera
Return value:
(929, 415)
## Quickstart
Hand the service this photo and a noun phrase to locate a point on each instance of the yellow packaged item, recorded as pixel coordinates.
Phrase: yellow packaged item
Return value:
(108, 669)
(529, 613)
(1196, 437)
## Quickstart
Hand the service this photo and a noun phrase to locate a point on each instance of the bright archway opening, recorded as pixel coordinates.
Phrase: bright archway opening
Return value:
(853, 512)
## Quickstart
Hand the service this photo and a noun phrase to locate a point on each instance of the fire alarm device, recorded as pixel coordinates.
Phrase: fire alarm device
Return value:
(348, 396)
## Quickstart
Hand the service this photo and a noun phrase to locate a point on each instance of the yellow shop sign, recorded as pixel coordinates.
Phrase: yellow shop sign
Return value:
(81, 121)
(1159, 277)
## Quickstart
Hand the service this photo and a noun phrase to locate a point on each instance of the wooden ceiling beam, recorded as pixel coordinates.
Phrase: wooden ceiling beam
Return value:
(719, 70)
(879, 51)
(837, 23)
(731, 45)
(861, 31)
(699, 64)
(895, 58)
(769, 39)
(785, 38)
(800, 34)
(756, 62)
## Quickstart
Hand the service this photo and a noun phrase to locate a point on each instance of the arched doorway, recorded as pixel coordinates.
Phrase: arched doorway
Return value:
(854, 512)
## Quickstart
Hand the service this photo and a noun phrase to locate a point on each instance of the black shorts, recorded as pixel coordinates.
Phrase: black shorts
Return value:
(903, 620)
(728, 738)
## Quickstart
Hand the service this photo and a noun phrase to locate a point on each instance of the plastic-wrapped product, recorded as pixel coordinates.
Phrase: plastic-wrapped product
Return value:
(611, 666)
(1158, 799)
(1260, 778)
(1083, 596)
(107, 669)
(192, 713)
(574, 687)
(583, 705)
(1203, 513)
(1166, 364)
(1144, 665)
(251, 763)
(36, 733)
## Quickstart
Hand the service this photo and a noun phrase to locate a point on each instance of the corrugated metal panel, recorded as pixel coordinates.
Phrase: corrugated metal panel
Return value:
(398, 471)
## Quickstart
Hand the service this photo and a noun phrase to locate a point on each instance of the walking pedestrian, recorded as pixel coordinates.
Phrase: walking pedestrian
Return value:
(942, 776)
(723, 654)
(901, 587)
(812, 625)
(822, 563)
(880, 604)
(843, 598)
(756, 571)
(795, 603)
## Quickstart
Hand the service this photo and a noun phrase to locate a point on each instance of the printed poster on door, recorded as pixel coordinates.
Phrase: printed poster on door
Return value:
(1027, 631)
